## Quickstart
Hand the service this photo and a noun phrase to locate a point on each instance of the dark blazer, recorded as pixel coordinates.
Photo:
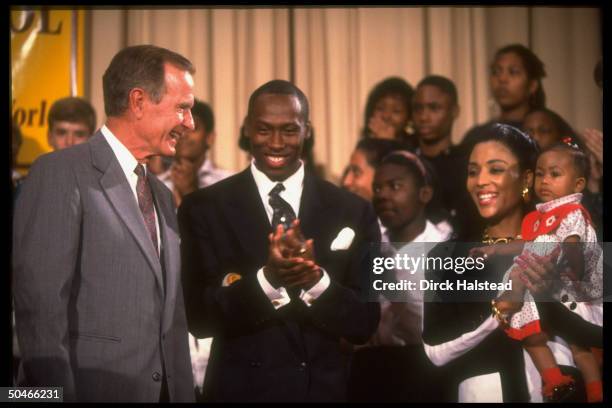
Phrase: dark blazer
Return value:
(96, 311)
(259, 353)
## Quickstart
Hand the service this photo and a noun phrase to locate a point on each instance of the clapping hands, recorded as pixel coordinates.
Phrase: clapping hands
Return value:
(291, 260)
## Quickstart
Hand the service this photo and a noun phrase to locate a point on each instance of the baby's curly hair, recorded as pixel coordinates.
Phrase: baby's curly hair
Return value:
(580, 159)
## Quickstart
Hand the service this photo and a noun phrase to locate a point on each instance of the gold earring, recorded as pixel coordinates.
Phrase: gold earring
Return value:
(525, 194)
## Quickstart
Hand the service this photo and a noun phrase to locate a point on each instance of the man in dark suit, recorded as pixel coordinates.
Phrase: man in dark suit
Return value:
(282, 297)
(98, 298)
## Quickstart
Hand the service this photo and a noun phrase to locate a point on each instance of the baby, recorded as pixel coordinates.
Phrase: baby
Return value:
(559, 220)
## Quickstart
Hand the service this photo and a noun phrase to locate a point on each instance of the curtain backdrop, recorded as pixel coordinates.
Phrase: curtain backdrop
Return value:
(336, 55)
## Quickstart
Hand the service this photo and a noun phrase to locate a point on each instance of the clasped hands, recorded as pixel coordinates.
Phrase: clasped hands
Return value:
(291, 260)
(531, 271)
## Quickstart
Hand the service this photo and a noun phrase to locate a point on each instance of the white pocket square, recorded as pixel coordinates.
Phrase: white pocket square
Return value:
(343, 240)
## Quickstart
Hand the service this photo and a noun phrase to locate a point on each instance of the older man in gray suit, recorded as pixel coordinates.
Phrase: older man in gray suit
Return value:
(98, 297)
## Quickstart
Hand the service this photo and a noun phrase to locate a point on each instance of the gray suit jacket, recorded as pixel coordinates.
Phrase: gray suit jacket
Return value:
(96, 310)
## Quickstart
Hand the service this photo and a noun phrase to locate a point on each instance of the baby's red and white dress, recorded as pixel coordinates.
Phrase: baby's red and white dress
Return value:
(545, 229)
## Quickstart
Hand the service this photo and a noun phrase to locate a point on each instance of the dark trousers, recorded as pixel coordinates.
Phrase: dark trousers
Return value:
(396, 374)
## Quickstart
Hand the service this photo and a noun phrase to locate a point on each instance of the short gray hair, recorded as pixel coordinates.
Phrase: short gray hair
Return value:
(140, 66)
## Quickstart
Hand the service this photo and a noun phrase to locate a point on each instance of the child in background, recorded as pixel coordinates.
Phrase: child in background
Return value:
(388, 112)
(547, 128)
(560, 177)
(393, 366)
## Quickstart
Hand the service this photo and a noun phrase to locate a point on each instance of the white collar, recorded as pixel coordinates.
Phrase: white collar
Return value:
(292, 183)
(431, 233)
(293, 186)
(206, 167)
(549, 205)
(126, 159)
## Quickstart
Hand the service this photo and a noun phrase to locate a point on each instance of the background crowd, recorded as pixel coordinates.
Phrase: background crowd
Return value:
(421, 189)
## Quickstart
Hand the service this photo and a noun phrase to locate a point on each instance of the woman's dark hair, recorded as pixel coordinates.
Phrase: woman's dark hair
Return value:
(534, 68)
(524, 148)
(389, 86)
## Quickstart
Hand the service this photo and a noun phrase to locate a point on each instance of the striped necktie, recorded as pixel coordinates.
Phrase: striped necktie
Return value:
(145, 202)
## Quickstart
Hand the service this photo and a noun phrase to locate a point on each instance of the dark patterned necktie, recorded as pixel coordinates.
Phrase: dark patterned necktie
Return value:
(283, 213)
(145, 202)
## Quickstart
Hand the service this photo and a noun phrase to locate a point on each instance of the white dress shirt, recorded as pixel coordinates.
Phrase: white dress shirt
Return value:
(292, 194)
(128, 163)
(406, 325)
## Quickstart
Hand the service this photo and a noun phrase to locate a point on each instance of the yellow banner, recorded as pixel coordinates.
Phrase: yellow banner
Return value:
(47, 47)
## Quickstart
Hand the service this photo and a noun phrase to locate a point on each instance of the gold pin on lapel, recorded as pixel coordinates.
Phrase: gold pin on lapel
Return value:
(230, 278)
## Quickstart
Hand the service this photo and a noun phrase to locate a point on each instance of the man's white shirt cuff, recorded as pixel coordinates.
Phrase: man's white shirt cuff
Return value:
(279, 297)
(313, 293)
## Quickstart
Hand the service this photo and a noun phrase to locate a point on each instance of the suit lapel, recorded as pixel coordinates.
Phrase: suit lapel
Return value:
(313, 212)
(121, 197)
(313, 222)
(248, 217)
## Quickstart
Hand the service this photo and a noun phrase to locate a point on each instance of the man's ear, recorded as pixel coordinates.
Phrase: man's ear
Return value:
(136, 101)
(425, 194)
(244, 128)
(209, 139)
(456, 111)
(580, 185)
(308, 130)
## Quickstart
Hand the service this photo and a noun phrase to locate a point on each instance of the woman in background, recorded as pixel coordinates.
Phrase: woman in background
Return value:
(388, 112)
(367, 155)
(516, 85)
